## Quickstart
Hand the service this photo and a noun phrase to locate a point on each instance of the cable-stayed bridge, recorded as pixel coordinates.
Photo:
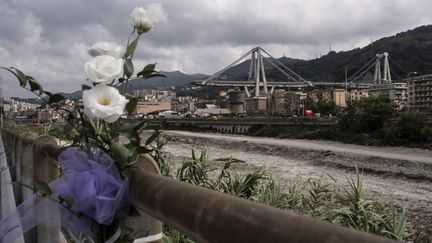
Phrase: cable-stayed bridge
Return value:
(258, 84)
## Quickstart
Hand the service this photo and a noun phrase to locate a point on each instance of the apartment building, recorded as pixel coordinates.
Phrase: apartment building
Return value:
(420, 93)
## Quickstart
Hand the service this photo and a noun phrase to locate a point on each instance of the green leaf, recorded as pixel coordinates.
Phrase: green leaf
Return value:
(85, 87)
(22, 77)
(131, 105)
(234, 160)
(47, 93)
(149, 67)
(67, 201)
(34, 86)
(150, 140)
(149, 71)
(120, 152)
(128, 67)
(137, 126)
(131, 48)
(54, 98)
(143, 150)
(18, 74)
(43, 188)
(155, 75)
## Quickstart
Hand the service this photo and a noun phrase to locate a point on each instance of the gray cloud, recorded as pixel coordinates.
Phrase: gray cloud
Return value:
(48, 39)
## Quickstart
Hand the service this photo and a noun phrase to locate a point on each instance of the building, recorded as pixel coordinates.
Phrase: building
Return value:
(256, 104)
(420, 93)
(339, 97)
(358, 94)
(154, 95)
(293, 102)
(277, 102)
(396, 92)
(145, 107)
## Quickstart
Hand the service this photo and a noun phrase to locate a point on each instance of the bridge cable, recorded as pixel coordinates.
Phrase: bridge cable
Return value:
(377, 60)
(286, 74)
(397, 64)
(228, 67)
(298, 76)
(373, 59)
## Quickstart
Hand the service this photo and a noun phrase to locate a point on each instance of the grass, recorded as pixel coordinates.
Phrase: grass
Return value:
(322, 200)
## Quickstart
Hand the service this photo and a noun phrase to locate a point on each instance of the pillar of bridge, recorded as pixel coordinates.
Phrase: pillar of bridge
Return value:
(236, 101)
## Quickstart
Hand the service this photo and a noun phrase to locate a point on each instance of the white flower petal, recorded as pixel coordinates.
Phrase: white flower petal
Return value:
(142, 20)
(109, 112)
(104, 69)
(107, 48)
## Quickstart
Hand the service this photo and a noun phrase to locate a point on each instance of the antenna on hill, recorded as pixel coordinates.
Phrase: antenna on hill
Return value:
(330, 49)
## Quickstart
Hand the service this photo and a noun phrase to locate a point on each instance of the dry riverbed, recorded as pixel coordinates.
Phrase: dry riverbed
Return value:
(402, 175)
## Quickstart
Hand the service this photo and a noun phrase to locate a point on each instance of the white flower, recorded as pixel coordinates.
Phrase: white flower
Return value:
(143, 20)
(104, 102)
(107, 48)
(104, 69)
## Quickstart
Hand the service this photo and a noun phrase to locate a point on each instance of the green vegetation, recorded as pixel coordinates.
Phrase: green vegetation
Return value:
(370, 121)
(409, 51)
(22, 128)
(316, 198)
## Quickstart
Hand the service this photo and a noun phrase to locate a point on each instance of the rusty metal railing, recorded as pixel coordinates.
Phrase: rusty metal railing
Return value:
(202, 214)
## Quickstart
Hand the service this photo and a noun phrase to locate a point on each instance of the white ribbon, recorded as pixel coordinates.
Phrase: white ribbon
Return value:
(149, 238)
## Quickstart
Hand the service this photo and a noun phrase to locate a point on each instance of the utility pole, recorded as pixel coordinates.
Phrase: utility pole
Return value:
(346, 79)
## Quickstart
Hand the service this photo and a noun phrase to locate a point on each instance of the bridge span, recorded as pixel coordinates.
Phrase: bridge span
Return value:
(237, 126)
(260, 85)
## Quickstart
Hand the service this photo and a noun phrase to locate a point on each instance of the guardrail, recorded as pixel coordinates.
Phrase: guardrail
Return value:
(202, 214)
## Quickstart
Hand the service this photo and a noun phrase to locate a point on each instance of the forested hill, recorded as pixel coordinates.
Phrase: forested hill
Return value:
(409, 51)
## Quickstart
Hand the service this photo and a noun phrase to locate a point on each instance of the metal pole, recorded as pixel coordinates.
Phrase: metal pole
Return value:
(346, 79)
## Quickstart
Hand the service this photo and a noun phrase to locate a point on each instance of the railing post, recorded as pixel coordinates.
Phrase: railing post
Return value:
(17, 169)
(27, 174)
(145, 225)
(45, 169)
(27, 165)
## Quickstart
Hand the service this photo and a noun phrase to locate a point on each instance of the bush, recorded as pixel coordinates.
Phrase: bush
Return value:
(319, 200)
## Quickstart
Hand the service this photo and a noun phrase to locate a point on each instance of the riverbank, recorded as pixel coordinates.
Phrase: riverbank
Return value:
(391, 174)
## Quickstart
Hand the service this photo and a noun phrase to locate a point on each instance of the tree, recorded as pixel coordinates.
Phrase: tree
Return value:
(327, 107)
(368, 114)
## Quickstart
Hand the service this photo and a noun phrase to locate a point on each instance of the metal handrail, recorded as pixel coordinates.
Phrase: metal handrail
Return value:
(210, 216)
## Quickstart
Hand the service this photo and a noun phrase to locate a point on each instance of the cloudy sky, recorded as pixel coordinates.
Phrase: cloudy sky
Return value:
(48, 39)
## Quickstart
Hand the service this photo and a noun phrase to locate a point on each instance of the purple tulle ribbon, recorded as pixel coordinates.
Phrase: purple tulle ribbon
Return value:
(91, 179)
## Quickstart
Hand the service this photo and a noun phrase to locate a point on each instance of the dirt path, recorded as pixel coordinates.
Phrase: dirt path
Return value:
(402, 175)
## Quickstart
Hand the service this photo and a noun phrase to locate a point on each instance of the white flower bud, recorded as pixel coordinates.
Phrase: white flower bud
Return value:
(142, 20)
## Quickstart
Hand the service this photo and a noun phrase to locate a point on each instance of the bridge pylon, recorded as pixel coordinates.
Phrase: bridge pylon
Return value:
(257, 83)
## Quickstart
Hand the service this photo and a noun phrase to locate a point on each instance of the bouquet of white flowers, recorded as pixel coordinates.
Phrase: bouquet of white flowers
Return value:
(91, 195)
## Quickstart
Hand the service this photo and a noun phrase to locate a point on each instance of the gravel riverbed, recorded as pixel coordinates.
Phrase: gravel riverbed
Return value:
(401, 175)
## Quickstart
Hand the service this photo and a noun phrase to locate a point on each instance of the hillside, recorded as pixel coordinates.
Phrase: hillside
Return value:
(409, 51)
(174, 79)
